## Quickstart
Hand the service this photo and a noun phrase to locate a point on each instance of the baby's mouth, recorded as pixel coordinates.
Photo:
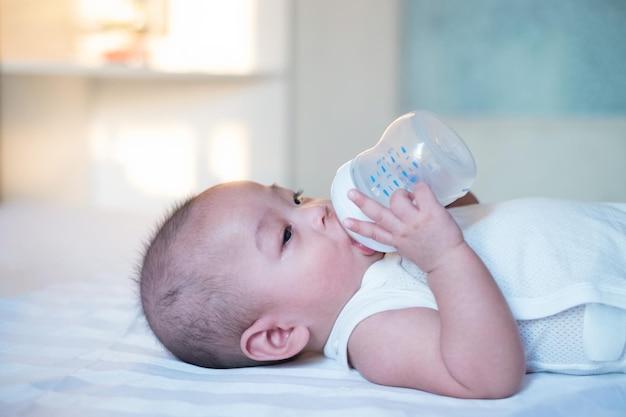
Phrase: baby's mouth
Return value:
(361, 247)
(364, 249)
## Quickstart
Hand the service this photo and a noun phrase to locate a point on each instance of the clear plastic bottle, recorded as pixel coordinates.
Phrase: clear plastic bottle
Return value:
(416, 147)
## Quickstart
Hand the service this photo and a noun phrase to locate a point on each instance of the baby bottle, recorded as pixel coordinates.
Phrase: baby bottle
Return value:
(416, 147)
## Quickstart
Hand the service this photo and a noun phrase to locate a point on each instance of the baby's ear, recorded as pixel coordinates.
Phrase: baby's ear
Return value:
(269, 341)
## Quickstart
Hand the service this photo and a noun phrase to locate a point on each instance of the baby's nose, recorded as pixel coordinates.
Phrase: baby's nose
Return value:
(317, 214)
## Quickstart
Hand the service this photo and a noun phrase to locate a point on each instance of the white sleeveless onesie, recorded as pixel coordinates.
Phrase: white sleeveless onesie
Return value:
(560, 264)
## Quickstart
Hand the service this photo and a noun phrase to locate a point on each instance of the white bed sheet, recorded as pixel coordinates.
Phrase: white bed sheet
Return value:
(73, 342)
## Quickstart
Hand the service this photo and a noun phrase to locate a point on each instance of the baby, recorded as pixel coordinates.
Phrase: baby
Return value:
(245, 274)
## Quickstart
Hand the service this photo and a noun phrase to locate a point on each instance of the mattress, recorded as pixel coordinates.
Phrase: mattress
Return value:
(73, 342)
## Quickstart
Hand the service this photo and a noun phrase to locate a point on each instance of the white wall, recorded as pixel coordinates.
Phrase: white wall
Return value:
(345, 91)
(582, 158)
(44, 152)
(106, 134)
(155, 141)
(338, 93)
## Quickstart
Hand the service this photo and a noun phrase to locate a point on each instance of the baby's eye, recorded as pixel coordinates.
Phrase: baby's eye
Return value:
(297, 197)
(286, 235)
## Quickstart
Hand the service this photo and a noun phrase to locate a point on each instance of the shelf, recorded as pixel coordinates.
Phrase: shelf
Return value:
(44, 68)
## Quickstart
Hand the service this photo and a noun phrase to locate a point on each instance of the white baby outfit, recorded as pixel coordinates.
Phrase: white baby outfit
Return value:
(560, 264)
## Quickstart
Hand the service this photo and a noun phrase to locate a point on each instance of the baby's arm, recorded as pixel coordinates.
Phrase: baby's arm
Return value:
(470, 347)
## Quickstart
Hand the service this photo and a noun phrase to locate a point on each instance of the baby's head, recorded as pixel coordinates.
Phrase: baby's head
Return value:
(245, 274)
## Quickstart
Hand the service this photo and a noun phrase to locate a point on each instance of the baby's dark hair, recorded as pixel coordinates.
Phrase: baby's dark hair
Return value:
(191, 301)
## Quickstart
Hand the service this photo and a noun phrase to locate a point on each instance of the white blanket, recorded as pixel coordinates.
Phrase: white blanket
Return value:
(85, 350)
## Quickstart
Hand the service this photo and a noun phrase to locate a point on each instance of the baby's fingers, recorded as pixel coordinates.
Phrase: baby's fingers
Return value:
(376, 212)
(404, 204)
(369, 230)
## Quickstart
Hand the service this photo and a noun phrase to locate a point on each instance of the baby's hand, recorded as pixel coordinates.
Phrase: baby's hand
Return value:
(417, 225)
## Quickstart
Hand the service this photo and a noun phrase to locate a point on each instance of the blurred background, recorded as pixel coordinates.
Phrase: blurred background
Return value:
(133, 104)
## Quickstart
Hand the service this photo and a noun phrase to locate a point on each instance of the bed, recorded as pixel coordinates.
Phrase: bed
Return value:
(73, 342)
